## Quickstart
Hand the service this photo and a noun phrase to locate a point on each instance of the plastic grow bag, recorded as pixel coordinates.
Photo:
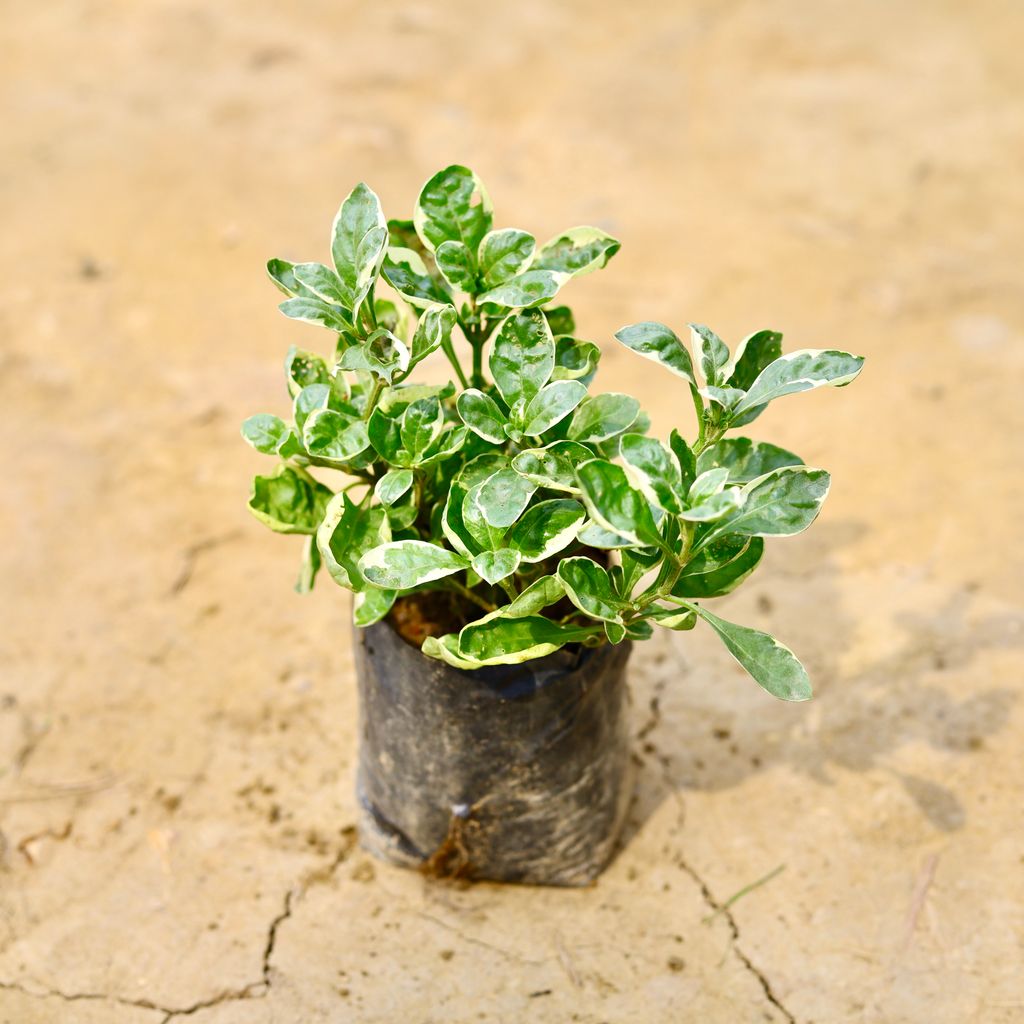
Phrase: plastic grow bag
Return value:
(514, 773)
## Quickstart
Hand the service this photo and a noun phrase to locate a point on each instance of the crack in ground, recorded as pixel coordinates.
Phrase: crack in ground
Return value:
(724, 910)
(75, 997)
(652, 724)
(721, 908)
(254, 990)
(191, 555)
(249, 992)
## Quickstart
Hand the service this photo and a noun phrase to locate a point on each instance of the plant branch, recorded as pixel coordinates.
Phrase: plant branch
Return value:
(698, 404)
(449, 351)
(371, 402)
(662, 586)
(468, 594)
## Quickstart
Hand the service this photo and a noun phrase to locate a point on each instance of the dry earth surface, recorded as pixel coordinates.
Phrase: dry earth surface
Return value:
(177, 726)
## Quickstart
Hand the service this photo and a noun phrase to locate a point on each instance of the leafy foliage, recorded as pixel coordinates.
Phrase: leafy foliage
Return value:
(546, 507)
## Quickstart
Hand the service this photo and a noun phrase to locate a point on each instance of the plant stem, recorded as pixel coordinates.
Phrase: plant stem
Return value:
(371, 402)
(469, 595)
(371, 305)
(449, 351)
(663, 589)
(699, 406)
(471, 328)
(508, 588)
(706, 441)
(478, 364)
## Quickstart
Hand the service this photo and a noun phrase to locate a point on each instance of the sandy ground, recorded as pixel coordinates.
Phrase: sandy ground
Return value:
(176, 726)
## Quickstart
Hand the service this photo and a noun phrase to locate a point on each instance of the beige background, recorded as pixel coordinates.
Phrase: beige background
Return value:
(176, 726)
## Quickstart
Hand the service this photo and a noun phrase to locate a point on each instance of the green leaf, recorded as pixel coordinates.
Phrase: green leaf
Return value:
(323, 282)
(712, 355)
(715, 507)
(503, 497)
(592, 535)
(727, 398)
(778, 504)
(331, 435)
(655, 341)
(406, 272)
(744, 459)
(314, 311)
(551, 405)
(614, 505)
(450, 441)
(615, 631)
(720, 568)
(307, 401)
(753, 354)
(560, 320)
(687, 462)
(422, 422)
(371, 605)
(577, 251)
(453, 524)
(603, 416)
(706, 485)
(446, 648)
(282, 273)
(402, 234)
(574, 359)
(398, 397)
(588, 587)
(458, 265)
(384, 431)
(522, 357)
(545, 529)
(310, 566)
(358, 242)
(638, 629)
(773, 665)
(453, 205)
(347, 532)
(392, 485)
(481, 414)
(679, 619)
(530, 288)
(503, 254)
(266, 433)
(484, 536)
(409, 563)
(391, 316)
(302, 369)
(382, 354)
(433, 330)
(537, 596)
(553, 466)
(494, 566)
(801, 371)
(402, 515)
(504, 641)
(655, 470)
(289, 501)
(709, 501)
(480, 468)
(634, 565)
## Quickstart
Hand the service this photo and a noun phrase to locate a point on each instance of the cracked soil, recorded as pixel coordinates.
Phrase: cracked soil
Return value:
(177, 726)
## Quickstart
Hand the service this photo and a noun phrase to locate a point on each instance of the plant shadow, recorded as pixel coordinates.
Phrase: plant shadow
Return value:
(689, 738)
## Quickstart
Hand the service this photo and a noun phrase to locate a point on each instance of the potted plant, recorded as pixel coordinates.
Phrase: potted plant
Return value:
(508, 535)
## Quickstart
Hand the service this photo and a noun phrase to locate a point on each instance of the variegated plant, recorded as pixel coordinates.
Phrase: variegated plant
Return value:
(548, 510)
